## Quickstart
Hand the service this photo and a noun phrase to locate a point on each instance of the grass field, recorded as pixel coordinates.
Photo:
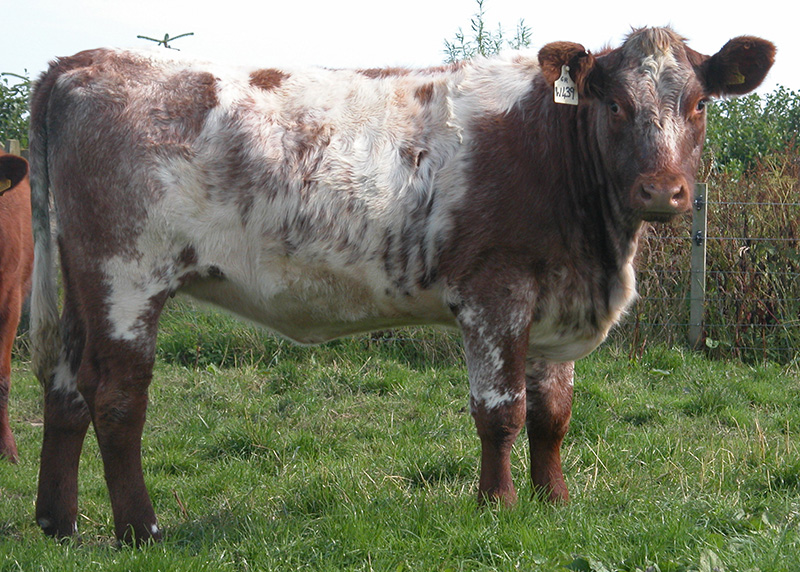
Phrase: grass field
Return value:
(361, 455)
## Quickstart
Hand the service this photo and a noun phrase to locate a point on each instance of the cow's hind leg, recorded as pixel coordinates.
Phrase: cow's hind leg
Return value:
(549, 408)
(114, 378)
(66, 419)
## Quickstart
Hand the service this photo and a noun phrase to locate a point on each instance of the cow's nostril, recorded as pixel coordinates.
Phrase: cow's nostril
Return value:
(679, 195)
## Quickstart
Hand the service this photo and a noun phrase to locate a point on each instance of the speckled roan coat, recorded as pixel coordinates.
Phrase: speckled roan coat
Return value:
(321, 203)
(16, 263)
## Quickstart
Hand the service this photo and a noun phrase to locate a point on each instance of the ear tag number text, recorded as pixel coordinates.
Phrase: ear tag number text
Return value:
(565, 90)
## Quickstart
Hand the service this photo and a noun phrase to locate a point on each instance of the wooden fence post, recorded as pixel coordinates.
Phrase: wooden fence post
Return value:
(698, 273)
(12, 147)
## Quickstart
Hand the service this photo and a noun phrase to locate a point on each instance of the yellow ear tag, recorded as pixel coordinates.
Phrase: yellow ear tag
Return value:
(5, 184)
(565, 90)
(736, 78)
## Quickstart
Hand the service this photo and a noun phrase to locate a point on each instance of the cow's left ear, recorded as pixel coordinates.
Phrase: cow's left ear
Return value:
(583, 68)
(739, 67)
(12, 170)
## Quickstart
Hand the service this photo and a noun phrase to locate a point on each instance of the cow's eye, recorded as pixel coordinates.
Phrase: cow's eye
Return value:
(701, 105)
(614, 107)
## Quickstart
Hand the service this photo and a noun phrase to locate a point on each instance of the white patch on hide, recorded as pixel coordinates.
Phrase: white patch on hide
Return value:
(492, 398)
(64, 381)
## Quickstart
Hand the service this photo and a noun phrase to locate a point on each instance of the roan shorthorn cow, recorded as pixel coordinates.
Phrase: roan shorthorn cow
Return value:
(16, 264)
(322, 203)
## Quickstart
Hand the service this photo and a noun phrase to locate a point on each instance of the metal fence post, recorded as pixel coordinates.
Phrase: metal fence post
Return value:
(698, 273)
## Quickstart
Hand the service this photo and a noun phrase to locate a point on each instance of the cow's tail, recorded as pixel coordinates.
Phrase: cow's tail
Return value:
(44, 322)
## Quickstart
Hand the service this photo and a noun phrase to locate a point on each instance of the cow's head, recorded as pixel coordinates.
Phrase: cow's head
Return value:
(648, 103)
(13, 170)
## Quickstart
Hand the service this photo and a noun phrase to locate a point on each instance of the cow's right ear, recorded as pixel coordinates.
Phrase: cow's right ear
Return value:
(12, 170)
(583, 68)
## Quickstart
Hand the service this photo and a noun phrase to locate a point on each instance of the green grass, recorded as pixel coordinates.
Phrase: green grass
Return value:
(361, 455)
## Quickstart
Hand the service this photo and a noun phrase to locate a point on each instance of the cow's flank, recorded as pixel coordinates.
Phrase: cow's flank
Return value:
(16, 262)
(321, 203)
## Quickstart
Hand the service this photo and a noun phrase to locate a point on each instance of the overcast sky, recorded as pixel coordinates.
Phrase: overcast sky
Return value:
(370, 33)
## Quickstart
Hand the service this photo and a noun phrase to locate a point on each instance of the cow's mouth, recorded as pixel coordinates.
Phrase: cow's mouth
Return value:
(660, 216)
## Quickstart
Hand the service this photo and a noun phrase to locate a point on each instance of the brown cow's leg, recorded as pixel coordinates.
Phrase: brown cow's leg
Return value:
(9, 318)
(497, 401)
(66, 419)
(498, 428)
(114, 378)
(549, 400)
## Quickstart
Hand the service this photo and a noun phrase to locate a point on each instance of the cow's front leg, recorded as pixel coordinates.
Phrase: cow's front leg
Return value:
(549, 408)
(496, 363)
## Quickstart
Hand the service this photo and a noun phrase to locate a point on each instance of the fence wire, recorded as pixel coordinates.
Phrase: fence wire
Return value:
(752, 303)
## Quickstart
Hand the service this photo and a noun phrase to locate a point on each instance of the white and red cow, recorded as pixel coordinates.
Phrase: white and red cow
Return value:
(321, 203)
(16, 263)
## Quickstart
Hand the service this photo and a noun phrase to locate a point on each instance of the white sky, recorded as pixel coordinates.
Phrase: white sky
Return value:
(370, 33)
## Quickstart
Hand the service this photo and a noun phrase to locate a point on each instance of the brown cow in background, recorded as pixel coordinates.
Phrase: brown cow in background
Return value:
(16, 262)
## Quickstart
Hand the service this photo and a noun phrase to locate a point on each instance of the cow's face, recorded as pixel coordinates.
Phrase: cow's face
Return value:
(647, 101)
(13, 170)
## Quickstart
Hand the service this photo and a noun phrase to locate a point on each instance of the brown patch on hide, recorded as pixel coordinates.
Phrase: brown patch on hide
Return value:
(424, 93)
(267, 79)
(381, 73)
(181, 111)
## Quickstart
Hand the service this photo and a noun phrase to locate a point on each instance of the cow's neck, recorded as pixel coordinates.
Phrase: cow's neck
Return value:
(588, 203)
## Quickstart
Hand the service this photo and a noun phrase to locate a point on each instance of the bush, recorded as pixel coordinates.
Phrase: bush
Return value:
(14, 108)
(745, 131)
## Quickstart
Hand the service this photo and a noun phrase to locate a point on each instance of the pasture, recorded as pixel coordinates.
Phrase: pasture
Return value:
(361, 455)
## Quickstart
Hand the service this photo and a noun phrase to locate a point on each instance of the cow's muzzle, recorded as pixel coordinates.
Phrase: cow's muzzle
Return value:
(662, 197)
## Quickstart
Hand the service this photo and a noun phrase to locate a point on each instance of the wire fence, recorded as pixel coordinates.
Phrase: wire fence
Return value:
(751, 307)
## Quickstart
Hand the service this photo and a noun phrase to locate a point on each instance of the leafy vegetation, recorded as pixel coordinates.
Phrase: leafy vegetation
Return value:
(14, 97)
(747, 131)
(482, 41)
